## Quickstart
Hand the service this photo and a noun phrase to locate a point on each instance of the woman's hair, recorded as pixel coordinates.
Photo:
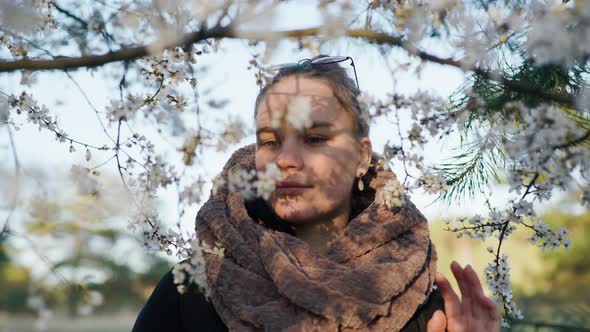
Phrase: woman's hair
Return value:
(342, 85)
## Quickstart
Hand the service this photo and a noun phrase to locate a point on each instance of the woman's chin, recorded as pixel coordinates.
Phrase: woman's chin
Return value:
(292, 213)
(291, 216)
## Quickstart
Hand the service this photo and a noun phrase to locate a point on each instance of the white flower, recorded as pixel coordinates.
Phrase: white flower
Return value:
(442, 5)
(497, 276)
(178, 274)
(433, 183)
(4, 110)
(299, 110)
(235, 130)
(28, 78)
(118, 110)
(333, 27)
(192, 193)
(157, 173)
(266, 182)
(217, 250)
(524, 208)
(218, 182)
(84, 181)
(393, 193)
(550, 41)
(202, 9)
(545, 237)
(241, 181)
(366, 101)
(195, 267)
(415, 135)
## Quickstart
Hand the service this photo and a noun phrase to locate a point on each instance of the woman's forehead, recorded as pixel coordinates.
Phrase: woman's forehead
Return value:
(302, 85)
(322, 108)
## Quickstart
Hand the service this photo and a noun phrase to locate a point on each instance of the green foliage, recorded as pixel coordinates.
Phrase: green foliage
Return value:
(570, 268)
(551, 78)
(562, 294)
(14, 280)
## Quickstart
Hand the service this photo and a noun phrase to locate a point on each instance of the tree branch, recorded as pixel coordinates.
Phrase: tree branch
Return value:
(127, 54)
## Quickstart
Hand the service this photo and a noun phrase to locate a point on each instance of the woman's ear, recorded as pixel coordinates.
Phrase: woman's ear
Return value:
(366, 150)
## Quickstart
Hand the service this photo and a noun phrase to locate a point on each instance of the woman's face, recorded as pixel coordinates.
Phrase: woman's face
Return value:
(318, 164)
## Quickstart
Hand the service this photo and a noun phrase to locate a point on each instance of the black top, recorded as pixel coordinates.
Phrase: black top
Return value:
(168, 310)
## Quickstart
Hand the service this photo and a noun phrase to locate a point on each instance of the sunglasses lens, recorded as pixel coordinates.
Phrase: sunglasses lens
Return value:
(281, 66)
(329, 59)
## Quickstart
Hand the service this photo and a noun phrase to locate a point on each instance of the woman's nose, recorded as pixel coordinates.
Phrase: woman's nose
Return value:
(289, 155)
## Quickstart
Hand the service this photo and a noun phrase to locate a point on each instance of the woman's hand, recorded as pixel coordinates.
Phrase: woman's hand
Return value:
(474, 312)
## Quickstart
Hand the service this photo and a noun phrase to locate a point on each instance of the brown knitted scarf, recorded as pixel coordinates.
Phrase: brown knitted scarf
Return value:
(374, 276)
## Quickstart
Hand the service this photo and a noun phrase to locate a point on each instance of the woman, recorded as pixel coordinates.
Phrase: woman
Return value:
(325, 251)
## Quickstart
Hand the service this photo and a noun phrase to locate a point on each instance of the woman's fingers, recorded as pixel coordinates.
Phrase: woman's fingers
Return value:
(485, 309)
(464, 286)
(476, 293)
(437, 323)
(452, 303)
(492, 309)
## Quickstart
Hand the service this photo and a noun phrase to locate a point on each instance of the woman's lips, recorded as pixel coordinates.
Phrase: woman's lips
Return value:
(290, 188)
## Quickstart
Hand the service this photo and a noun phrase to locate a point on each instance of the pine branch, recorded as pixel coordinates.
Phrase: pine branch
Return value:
(471, 171)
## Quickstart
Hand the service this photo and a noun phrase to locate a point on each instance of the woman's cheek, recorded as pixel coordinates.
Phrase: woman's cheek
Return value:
(259, 160)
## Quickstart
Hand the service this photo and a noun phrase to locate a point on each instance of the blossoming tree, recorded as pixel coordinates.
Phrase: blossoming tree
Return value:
(522, 113)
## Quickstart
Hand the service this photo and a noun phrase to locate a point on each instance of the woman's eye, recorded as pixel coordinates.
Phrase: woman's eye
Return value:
(315, 139)
(269, 144)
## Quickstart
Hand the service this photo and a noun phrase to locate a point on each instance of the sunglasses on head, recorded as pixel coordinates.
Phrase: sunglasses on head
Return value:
(315, 62)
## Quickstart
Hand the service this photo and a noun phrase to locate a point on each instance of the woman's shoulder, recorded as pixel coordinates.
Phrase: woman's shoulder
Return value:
(168, 310)
(162, 309)
(419, 321)
(198, 313)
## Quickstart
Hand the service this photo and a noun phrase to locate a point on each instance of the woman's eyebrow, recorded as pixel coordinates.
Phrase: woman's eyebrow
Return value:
(321, 125)
(265, 129)
(315, 125)
(269, 131)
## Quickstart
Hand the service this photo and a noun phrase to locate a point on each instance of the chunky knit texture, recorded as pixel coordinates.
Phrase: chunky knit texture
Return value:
(374, 276)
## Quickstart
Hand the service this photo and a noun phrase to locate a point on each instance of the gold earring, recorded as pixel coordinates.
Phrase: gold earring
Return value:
(361, 184)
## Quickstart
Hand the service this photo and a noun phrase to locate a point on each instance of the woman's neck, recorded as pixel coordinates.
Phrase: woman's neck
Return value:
(319, 234)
